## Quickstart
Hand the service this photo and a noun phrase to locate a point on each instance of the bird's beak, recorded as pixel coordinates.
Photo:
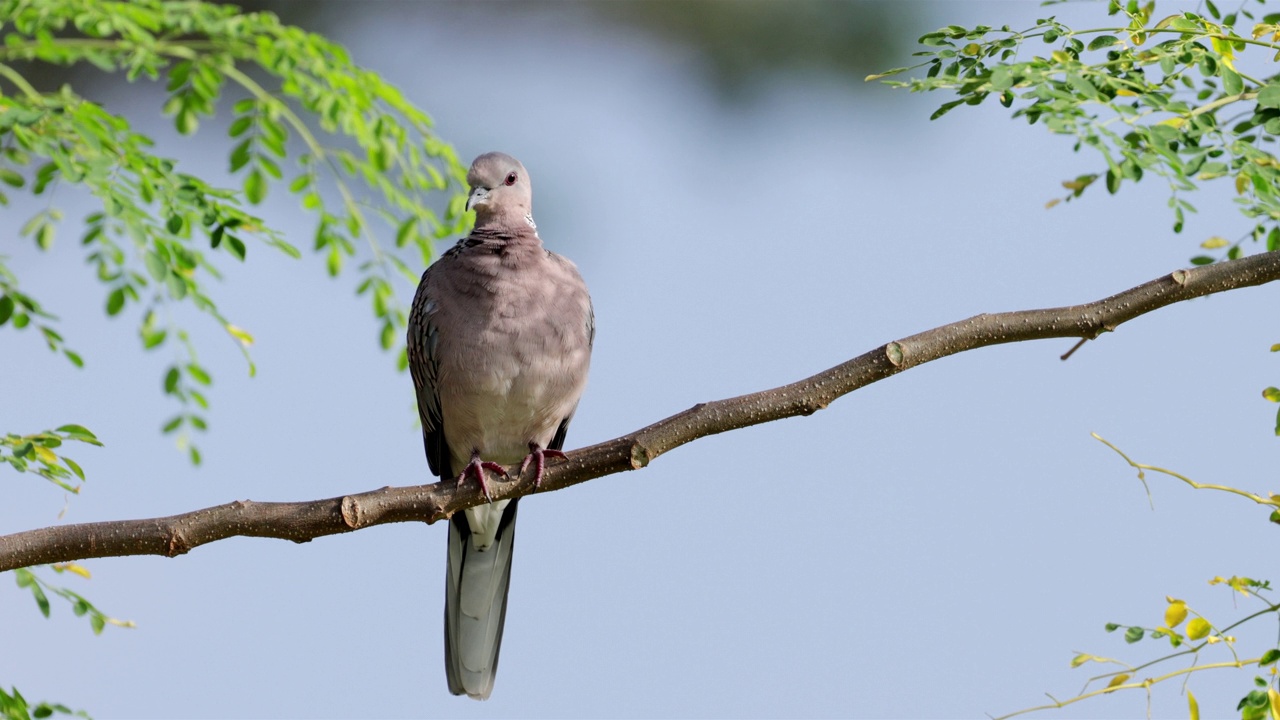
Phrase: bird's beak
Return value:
(479, 196)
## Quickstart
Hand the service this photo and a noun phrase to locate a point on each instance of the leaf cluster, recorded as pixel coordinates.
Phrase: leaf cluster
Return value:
(40, 453)
(357, 155)
(1167, 96)
(15, 707)
(40, 589)
(1198, 634)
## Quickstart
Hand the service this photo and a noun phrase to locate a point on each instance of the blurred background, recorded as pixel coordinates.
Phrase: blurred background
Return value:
(747, 211)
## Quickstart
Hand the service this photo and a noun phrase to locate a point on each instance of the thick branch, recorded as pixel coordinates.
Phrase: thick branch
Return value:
(302, 521)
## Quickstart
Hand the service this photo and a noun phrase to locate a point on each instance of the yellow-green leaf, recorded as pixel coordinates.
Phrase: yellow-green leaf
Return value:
(1215, 242)
(1117, 681)
(240, 334)
(1272, 394)
(1193, 706)
(1175, 614)
(1274, 703)
(1080, 659)
(80, 570)
(1198, 628)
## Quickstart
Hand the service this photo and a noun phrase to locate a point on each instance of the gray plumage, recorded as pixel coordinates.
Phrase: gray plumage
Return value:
(499, 343)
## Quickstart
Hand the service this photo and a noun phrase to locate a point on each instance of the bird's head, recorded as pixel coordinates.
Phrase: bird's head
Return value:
(500, 191)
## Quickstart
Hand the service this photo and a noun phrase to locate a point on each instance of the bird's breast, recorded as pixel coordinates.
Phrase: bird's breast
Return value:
(514, 364)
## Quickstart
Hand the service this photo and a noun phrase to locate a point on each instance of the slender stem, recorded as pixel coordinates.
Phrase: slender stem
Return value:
(1275, 503)
(16, 78)
(1129, 686)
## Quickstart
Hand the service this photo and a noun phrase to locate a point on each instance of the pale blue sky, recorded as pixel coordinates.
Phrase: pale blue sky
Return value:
(935, 545)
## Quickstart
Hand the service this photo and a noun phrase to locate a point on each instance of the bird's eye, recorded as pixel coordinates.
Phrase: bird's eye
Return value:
(511, 179)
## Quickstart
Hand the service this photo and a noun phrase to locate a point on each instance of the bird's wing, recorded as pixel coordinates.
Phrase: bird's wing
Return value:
(422, 346)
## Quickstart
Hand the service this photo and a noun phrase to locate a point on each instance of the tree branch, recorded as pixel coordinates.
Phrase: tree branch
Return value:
(302, 521)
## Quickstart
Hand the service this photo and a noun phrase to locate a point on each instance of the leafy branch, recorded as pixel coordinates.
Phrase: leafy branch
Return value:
(39, 453)
(15, 707)
(1262, 699)
(369, 145)
(1148, 96)
(81, 607)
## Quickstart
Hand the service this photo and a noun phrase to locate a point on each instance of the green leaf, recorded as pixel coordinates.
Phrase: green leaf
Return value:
(1269, 657)
(156, 267)
(12, 177)
(199, 374)
(1272, 394)
(1269, 96)
(388, 335)
(186, 121)
(885, 74)
(173, 424)
(176, 285)
(1103, 41)
(115, 301)
(79, 432)
(74, 467)
(171, 379)
(6, 308)
(1231, 82)
(240, 125)
(407, 231)
(44, 236)
(236, 246)
(945, 108)
(41, 599)
(255, 186)
(240, 155)
(1134, 634)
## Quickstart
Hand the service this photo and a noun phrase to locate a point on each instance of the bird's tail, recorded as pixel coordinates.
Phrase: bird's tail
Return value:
(475, 604)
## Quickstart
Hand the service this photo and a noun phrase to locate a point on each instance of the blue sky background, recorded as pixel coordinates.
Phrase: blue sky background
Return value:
(939, 544)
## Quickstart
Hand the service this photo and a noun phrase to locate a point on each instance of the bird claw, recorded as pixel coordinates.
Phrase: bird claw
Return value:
(477, 467)
(538, 456)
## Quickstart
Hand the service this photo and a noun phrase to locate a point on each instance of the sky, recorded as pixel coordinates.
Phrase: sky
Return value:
(939, 544)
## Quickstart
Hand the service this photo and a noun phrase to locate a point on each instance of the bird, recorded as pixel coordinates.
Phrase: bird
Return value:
(499, 342)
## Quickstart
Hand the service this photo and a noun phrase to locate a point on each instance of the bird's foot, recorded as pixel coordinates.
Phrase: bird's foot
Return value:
(477, 467)
(538, 457)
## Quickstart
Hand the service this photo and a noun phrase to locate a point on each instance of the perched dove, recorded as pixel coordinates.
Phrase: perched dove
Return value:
(499, 342)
